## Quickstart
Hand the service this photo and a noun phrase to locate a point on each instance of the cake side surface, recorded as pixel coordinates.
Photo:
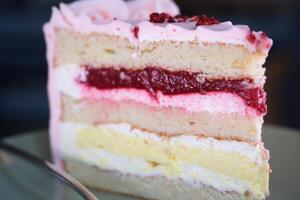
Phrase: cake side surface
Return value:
(191, 55)
(153, 101)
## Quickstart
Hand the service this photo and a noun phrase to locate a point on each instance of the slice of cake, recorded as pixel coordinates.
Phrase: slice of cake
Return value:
(154, 104)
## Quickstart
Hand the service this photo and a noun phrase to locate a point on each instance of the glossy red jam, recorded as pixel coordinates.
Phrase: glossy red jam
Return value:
(166, 18)
(173, 82)
(135, 31)
(161, 18)
(204, 20)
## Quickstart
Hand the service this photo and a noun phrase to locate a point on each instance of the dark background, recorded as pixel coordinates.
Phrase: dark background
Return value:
(23, 69)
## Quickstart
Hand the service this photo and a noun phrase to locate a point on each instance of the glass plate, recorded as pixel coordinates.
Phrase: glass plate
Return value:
(24, 176)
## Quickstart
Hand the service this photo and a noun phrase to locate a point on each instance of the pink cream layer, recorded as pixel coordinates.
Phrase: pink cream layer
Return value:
(215, 102)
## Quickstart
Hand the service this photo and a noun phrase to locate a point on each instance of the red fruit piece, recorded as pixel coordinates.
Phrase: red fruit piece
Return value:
(251, 38)
(204, 20)
(135, 31)
(161, 18)
(200, 20)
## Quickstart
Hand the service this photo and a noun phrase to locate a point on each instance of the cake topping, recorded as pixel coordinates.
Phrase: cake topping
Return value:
(251, 38)
(260, 40)
(93, 16)
(204, 20)
(103, 11)
(135, 31)
(161, 18)
(100, 11)
(166, 18)
(141, 9)
(154, 79)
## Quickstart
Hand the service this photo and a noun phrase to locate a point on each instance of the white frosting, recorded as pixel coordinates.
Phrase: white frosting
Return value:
(222, 32)
(89, 16)
(107, 160)
(100, 11)
(214, 102)
(85, 24)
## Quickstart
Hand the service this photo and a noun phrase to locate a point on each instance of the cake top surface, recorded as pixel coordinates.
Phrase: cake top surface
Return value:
(153, 20)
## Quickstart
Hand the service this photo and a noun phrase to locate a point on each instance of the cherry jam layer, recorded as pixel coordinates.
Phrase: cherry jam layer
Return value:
(166, 18)
(168, 82)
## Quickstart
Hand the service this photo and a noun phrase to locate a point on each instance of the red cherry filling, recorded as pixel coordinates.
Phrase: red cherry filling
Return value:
(204, 20)
(161, 18)
(166, 18)
(168, 82)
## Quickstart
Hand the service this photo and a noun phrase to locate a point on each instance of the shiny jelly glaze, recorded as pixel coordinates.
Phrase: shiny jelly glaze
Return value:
(168, 82)
(166, 18)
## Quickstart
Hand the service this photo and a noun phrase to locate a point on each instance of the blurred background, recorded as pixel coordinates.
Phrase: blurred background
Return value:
(23, 69)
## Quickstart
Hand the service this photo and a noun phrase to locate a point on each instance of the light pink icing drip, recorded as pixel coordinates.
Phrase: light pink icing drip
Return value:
(119, 18)
(54, 98)
(215, 102)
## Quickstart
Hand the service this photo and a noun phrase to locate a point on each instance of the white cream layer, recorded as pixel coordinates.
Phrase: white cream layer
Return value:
(67, 77)
(192, 174)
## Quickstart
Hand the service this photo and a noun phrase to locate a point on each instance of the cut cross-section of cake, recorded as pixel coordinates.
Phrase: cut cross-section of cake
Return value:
(151, 103)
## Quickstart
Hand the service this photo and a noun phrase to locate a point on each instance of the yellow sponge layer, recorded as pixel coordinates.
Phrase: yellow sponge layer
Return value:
(170, 153)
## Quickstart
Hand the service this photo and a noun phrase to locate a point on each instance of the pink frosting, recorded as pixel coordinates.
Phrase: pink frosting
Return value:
(141, 9)
(215, 102)
(100, 11)
(103, 11)
(54, 98)
(89, 16)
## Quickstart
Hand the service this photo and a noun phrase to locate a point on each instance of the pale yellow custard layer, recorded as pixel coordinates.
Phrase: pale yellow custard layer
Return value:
(171, 152)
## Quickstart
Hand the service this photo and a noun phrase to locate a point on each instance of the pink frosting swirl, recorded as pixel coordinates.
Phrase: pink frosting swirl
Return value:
(100, 11)
(141, 9)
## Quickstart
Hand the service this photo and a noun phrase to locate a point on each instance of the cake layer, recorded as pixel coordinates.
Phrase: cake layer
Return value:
(168, 121)
(89, 33)
(192, 159)
(215, 60)
(150, 187)
(194, 113)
